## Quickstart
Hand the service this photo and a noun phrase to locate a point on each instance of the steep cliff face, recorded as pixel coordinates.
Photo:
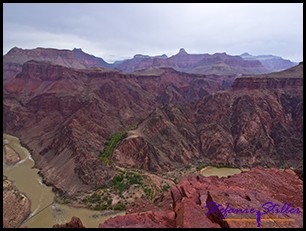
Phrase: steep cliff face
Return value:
(249, 128)
(191, 202)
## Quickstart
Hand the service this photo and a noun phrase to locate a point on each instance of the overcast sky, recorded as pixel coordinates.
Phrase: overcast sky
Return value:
(119, 31)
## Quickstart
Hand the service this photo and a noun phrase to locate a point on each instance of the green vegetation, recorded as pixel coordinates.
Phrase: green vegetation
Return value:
(124, 180)
(120, 206)
(136, 179)
(200, 166)
(94, 198)
(165, 188)
(102, 198)
(222, 165)
(148, 192)
(62, 199)
(100, 207)
(132, 127)
(110, 145)
(188, 167)
(118, 183)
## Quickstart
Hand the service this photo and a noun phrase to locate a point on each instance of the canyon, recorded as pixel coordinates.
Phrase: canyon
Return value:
(221, 110)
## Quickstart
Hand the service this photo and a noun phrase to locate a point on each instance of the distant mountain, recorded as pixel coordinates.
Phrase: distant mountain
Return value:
(218, 63)
(138, 62)
(76, 58)
(271, 62)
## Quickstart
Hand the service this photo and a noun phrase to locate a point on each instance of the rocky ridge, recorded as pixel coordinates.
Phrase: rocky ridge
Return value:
(190, 200)
(218, 63)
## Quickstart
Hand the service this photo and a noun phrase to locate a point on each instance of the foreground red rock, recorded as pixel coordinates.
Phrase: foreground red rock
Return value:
(246, 190)
(74, 223)
(151, 219)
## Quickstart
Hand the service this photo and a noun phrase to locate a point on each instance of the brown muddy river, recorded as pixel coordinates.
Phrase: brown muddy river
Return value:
(43, 214)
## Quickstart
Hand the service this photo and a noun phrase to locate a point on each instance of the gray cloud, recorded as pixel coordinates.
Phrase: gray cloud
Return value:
(116, 31)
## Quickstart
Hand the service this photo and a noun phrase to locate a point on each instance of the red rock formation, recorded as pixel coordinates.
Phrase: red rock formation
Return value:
(74, 223)
(151, 219)
(246, 190)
